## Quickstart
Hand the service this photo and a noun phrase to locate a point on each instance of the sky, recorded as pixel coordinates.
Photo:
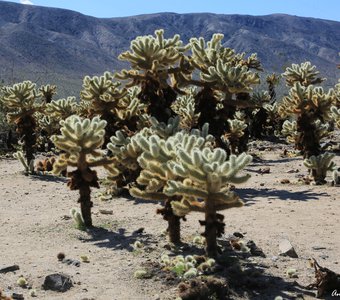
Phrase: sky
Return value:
(324, 9)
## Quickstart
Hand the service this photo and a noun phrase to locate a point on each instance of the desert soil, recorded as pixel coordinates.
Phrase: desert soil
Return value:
(35, 226)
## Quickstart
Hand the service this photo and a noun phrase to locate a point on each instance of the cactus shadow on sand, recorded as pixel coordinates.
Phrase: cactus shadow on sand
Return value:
(249, 195)
(115, 240)
(48, 178)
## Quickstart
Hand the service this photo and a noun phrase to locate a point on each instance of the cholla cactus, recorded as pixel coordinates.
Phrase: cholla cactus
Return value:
(289, 129)
(184, 107)
(165, 130)
(234, 133)
(118, 106)
(153, 59)
(47, 91)
(20, 100)
(205, 176)
(272, 80)
(307, 104)
(155, 161)
(336, 115)
(320, 165)
(125, 151)
(304, 73)
(226, 80)
(81, 139)
(62, 108)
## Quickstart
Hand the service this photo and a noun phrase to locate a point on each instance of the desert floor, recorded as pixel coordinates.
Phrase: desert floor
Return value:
(35, 226)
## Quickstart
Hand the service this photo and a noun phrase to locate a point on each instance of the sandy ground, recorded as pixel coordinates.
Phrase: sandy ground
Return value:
(34, 228)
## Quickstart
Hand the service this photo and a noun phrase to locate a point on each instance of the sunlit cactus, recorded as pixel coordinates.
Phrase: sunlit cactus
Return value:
(158, 154)
(61, 108)
(165, 130)
(47, 92)
(206, 176)
(336, 115)
(154, 60)
(272, 81)
(125, 150)
(21, 102)
(226, 80)
(184, 107)
(111, 102)
(307, 105)
(80, 140)
(289, 130)
(234, 133)
(320, 165)
(305, 73)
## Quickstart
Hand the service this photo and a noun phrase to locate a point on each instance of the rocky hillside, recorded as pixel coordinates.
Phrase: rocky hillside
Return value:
(61, 46)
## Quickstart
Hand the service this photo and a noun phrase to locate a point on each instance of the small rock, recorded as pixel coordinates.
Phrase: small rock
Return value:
(17, 296)
(157, 297)
(106, 211)
(318, 248)
(287, 249)
(9, 269)
(138, 231)
(57, 282)
(255, 250)
(72, 262)
(284, 181)
(265, 170)
(238, 234)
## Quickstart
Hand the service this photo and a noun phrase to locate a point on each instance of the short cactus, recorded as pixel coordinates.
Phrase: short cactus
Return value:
(320, 165)
(204, 187)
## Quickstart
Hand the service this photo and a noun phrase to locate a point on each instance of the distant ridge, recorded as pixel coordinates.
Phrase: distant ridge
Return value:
(62, 46)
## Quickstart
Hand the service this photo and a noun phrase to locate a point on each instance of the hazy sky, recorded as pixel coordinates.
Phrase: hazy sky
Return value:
(324, 9)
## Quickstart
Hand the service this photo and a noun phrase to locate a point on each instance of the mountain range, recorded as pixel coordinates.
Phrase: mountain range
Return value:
(58, 46)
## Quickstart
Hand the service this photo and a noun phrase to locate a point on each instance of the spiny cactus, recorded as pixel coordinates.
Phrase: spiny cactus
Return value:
(289, 129)
(205, 176)
(304, 73)
(226, 82)
(125, 150)
(272, 80)
(21, 102)
(153, 60)
(307, 104)
(112, 103)
(47, 92)
(154, 161)
(81, 139)
(235, 132)
(320, 165)
(336, 115)
(184, 107)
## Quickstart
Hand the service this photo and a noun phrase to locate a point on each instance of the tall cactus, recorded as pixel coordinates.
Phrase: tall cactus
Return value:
(21, 102)
(204, 185)
(226, 82)
(308, 104)
(154, 60)
(80, 140)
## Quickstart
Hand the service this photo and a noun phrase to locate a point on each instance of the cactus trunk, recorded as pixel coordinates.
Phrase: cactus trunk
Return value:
(85, 204)
(26, 129)
(174, 222)
(308, 139)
